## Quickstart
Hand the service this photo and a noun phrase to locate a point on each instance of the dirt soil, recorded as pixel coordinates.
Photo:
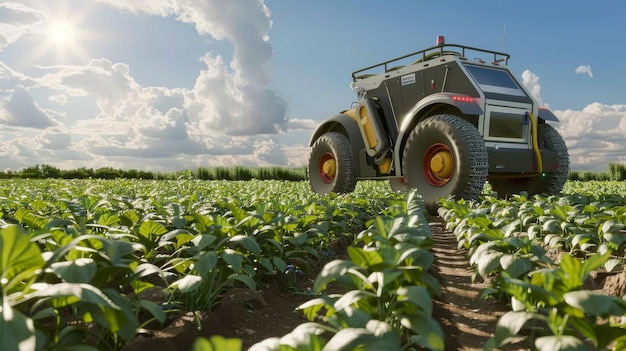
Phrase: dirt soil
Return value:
(254, 316)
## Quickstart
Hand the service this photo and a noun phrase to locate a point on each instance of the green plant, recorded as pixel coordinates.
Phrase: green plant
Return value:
(557, 313)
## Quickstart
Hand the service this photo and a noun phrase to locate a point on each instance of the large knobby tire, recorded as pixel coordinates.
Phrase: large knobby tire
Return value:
(550, 184)
(445, 155)
(331, 166)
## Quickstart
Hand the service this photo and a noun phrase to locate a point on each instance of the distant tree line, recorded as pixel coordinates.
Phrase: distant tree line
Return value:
(209, 173)
(616, 172)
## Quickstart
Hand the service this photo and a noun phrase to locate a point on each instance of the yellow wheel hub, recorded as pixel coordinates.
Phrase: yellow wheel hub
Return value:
(442, 164)
(329, 168)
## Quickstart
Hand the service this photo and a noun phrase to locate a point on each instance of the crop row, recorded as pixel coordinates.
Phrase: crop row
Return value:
(386, 299)
(537, 254)
(78, 257)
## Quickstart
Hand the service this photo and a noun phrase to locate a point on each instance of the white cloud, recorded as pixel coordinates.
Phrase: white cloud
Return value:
(271, 152)
(16, 20)
(595, 135)
(531, 82)
(234, 97)
(20, 110)
(230, 116)
(584, 69)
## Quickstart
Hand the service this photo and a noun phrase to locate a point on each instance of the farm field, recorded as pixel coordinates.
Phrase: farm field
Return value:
(99, 264)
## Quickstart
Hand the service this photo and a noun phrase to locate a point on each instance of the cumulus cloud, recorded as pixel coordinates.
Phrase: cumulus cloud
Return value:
(230, 116)
(531, 82)
(270, 152)
(595, 135)
(10, 78)
(584, 69)
(16, 20)
(233, 97)
(20, 110)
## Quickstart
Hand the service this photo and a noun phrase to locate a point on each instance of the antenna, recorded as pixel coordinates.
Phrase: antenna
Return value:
(506, 49)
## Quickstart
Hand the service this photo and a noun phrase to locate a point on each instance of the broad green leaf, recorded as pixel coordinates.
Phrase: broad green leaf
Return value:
(65, 294)
(233, 259)
(611, 226)
(594, 262)
(560, 343)
(552, 226)
(81, 270)
(267, 264)
(155, 310)
(417, 257)
(179, 222)
(130, 218)
(331, 272)
(245, 279)
(19, 257)
(596, 304)
(188, 283)
(151, 228)
(515, 265)
(417, 295)
(510, 324)
(116, 250)
(611, 264)
(205, 262)
(352, 297)
(313, 306)
(429, 332)
(217, 343)
(607, 334)
(488, 263)
(17, 332)
(248, 242)
(280, 265)
(364, 258)
(202, 241)
(181, 237)
(351, 339)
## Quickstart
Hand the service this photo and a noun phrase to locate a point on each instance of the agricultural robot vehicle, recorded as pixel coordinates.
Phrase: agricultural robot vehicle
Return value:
(444, 120)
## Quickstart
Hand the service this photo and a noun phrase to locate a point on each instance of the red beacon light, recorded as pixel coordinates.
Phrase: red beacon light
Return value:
(440, 40)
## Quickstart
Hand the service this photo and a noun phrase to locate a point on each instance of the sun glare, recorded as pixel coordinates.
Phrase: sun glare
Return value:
(62, 33)
(64, 38)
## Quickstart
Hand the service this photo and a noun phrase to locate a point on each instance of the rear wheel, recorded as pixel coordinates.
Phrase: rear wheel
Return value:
(445, 155)
(331, 166)
(551, 183)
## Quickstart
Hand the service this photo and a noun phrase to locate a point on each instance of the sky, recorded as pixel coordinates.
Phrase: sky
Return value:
(169, 85)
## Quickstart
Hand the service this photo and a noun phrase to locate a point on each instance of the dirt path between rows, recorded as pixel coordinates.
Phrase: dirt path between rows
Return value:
(467, 321)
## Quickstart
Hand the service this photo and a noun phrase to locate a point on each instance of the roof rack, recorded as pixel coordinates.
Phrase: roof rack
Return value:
(432, 52)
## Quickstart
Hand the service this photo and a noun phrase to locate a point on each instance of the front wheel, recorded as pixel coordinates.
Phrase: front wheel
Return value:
(445, 155)
(331, 165)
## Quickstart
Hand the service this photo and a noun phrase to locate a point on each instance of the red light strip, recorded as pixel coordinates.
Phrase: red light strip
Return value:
(463, 98)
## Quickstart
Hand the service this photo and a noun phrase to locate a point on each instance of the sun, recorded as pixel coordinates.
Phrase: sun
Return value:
(64, 37)
(62, 33)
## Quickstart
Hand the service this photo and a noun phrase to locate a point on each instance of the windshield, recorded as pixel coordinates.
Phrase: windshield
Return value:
(494, 80)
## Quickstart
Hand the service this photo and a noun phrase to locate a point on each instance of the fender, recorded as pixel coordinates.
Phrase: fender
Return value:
(347, 125)
(547, 115)
(466, 104)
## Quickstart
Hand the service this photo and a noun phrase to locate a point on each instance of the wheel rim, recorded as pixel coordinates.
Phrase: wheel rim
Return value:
(328, 168)
(438, 164)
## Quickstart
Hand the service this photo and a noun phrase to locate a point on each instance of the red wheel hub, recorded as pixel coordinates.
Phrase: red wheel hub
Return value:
(438, 164)
(328, 168)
